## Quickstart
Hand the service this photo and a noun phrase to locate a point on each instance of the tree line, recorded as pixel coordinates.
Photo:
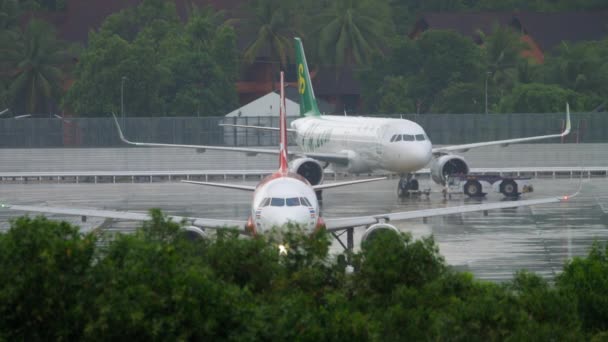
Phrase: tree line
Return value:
(157, 284)
(160, 64)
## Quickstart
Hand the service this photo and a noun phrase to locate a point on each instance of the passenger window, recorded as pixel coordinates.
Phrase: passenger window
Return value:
(394, 137)
(305, 202)
(265, 202)
(398, 137)
(293, 202)
(407, 137)
(277, 202)
(420, 137)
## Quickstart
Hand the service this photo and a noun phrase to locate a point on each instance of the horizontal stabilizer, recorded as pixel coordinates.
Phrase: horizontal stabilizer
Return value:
(257, 127)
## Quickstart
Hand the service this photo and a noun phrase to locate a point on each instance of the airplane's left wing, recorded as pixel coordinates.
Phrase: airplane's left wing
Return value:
(333, 224)
(125, 215)
(466, 147)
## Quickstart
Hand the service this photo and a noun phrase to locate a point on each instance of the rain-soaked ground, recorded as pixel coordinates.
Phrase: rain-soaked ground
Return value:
(492, 247)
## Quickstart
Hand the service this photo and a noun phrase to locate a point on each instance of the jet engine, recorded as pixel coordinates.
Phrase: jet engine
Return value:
(195, 233)
(377, 229)
(447, 165)
(309, 169)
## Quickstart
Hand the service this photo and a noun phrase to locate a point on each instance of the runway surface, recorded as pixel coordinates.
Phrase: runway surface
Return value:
(162, 159)
(536, 238)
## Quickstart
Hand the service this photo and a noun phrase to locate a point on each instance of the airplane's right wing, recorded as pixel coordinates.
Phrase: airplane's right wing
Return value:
(125, 215)
(333, 224)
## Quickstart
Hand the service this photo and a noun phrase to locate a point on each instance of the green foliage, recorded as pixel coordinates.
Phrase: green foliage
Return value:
(43, 272)
(460, 98)
(543, 98)
(170, 68)
(428, 65)
(351, 31)
(34, 62)
(156, 284)
(587, 280)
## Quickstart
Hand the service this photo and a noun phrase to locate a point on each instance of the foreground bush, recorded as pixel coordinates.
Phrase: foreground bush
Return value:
(157, 284)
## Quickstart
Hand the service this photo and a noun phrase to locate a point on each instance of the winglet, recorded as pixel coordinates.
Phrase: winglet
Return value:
(568, 125)
(122, 137)
(283, 165)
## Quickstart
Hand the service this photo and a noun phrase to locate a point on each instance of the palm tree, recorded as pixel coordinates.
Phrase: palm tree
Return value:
(274, 27)
(350, 31)
(36, 58)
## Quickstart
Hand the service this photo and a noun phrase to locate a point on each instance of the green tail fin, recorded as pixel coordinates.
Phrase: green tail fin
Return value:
(308, 103)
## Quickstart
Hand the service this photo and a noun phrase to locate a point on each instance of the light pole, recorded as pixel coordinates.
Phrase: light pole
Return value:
(486, 91)
(122, 102)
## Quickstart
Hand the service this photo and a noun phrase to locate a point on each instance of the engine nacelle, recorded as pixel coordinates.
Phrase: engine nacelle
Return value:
(309, 169)
(376, 229)
(195, 233)
(447, 165)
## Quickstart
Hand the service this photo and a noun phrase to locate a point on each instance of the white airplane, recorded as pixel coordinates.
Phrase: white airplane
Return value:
(286, 197)
(362, 144)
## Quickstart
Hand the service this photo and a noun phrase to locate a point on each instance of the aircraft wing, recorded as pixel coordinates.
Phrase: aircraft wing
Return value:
(333, 224)
(251, 151)
(466, 147)
(125, 215)
(338, 184)
(223, 185)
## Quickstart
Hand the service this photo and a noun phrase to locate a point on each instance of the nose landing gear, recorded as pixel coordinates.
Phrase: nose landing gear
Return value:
(406, 185)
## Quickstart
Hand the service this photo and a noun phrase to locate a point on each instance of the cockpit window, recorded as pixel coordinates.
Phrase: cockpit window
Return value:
(398, 137)
(408, 137)
(393, 137)
(305, 202)
(265, 202)
(277, 202)
(293, 202)
(420, 137)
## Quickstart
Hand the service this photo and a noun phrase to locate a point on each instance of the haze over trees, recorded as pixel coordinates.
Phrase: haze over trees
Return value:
(174, 66)
(56, 283)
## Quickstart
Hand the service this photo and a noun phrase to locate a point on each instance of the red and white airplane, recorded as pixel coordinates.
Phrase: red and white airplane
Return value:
(286, 197)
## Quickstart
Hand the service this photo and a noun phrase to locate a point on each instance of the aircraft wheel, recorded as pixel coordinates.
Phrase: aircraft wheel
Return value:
(403, 188)
(508, 187)
(472, 188)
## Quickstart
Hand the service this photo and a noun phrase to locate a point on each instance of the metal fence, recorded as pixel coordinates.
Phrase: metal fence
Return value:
(441, 128)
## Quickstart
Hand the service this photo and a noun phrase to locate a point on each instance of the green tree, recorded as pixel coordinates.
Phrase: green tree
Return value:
(587, 280)
(581, 67)
(36, 62)
(43, 268)
(543, 98)
(275, 24)
(170, 68)
(460, 98)
(351, 31)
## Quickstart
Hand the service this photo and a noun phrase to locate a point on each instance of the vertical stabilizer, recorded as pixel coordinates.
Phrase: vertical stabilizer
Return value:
(283, 166)
(308, 102)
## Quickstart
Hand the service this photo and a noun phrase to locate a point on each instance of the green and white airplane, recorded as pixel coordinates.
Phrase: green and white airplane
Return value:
(362, 144)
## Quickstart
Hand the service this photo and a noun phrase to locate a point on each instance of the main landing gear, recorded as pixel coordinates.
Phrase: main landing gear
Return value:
(406, 185)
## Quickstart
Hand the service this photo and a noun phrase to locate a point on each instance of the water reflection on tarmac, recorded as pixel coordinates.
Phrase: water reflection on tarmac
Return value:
(492, 247)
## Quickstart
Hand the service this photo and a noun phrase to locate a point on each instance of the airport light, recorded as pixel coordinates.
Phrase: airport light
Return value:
(122, 102)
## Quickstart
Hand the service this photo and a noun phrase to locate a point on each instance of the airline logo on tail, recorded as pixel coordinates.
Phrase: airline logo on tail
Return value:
(301, 80)
(308, 103)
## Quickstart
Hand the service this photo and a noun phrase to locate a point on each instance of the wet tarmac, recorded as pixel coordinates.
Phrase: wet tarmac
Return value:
(492, 247)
